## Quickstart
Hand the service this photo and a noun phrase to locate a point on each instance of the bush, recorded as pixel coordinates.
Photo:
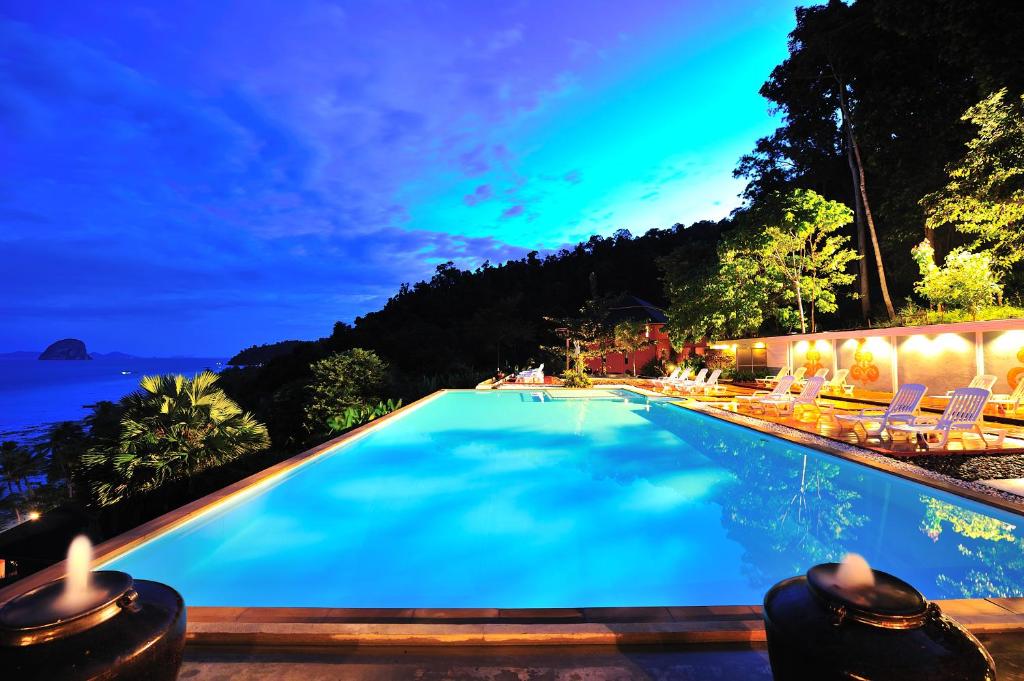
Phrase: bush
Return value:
(655, 366)
(351, 379)
(965, 282)
(357, 416)
(576, 379)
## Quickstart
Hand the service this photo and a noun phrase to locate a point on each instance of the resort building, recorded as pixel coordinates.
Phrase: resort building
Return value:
(631, 308)
(941, 356)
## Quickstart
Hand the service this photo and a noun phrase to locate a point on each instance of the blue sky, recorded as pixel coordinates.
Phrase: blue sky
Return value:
(193, 177)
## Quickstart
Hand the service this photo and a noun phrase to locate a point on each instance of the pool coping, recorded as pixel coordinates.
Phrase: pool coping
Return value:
(261, 626)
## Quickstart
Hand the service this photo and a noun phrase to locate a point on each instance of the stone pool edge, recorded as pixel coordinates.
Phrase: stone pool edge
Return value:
(296, 627)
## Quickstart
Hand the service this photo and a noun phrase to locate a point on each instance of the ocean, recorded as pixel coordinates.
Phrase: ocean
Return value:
(35, 393)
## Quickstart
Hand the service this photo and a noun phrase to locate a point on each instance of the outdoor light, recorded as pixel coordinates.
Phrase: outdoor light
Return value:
(33, 515)
(874, 626)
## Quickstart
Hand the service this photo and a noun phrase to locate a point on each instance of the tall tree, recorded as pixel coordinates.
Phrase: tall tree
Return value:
(783, 257)
(984, 197)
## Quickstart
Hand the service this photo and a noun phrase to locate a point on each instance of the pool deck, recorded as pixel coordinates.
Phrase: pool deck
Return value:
(267, 628)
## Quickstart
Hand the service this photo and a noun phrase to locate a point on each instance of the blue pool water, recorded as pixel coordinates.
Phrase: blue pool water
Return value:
(505, 499)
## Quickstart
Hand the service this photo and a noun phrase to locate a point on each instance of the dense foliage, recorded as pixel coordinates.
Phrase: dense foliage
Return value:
(781, 257)
(173, 427)
(344, 383)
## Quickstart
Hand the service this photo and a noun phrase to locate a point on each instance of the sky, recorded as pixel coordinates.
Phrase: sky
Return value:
(194, 177)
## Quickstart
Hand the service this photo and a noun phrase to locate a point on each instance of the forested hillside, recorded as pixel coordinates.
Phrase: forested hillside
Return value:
(873, 105)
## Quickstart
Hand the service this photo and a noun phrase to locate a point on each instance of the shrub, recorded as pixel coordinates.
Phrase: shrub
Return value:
(573, 378)
(354, 378)
(357, 416)
(171, 429)
(965, 281)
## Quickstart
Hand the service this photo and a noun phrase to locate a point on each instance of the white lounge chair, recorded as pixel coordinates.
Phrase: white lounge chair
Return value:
(711, 385)
(532, 375)
(781, 388)
(683, 376)
(1009, 403)
(686, 384)
(772, 380)
(962, 415)
(902, 408)
(838, 383)
(787, 405)
(700, 383)
(671, 377)
(798, 376)
(983, 381)
(823, 373)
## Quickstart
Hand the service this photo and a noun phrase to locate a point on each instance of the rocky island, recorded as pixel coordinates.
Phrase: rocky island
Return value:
(68, 348)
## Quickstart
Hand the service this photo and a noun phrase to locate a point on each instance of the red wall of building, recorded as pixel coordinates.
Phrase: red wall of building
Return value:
(620, 363)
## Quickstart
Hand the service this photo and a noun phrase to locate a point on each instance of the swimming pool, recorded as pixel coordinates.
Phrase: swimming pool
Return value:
(519, 500)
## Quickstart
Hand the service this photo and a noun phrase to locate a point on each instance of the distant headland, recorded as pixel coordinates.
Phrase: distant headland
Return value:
(68, 348)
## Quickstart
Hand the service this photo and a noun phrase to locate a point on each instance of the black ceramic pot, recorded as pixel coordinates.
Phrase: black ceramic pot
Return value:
(129, 630)
(817, 630)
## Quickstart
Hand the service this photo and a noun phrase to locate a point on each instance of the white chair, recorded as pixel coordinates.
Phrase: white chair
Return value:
(902, 408)
(820, 372)
(838, 383)
(681, 378)
(787, 405)
(798, 375)
(532, 375)
(1009, 403)
(983, 381)
(703, 384)
(686, 384)
(711, 385)
(962, 415)
(781, 388)
(772, 380)
(671, 377)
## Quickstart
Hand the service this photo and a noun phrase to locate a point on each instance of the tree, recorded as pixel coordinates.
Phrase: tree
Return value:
(631, 336)
(984, 197)
(965, 282)
(798, 246)
(783, 258)
(17, 466)
(354, 378)
(171, 429)
(62, 448)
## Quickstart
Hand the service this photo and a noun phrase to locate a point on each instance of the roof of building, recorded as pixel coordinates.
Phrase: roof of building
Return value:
(629, 307)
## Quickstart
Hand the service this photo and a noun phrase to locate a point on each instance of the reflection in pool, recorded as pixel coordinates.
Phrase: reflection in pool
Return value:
(502, 499)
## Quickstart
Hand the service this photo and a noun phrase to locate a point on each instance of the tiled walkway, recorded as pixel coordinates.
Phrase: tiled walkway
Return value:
(699, 663)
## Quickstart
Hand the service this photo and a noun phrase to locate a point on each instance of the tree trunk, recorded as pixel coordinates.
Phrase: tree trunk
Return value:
(862, 246)
(860, 189)
(800, 307)
(871, 228)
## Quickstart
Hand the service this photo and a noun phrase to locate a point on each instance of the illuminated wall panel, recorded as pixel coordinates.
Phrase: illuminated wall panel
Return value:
(942, 362)
(1004, 357)
(813, 355)
(869, 361)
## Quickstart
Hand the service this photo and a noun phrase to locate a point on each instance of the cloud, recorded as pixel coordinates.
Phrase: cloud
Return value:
(480, 194)
(573, 176)
(512, 212)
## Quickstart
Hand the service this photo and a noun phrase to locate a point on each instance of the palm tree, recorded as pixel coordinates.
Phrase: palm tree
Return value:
(17, 466)
(631, 336)
(63, 446)
(173, 428)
